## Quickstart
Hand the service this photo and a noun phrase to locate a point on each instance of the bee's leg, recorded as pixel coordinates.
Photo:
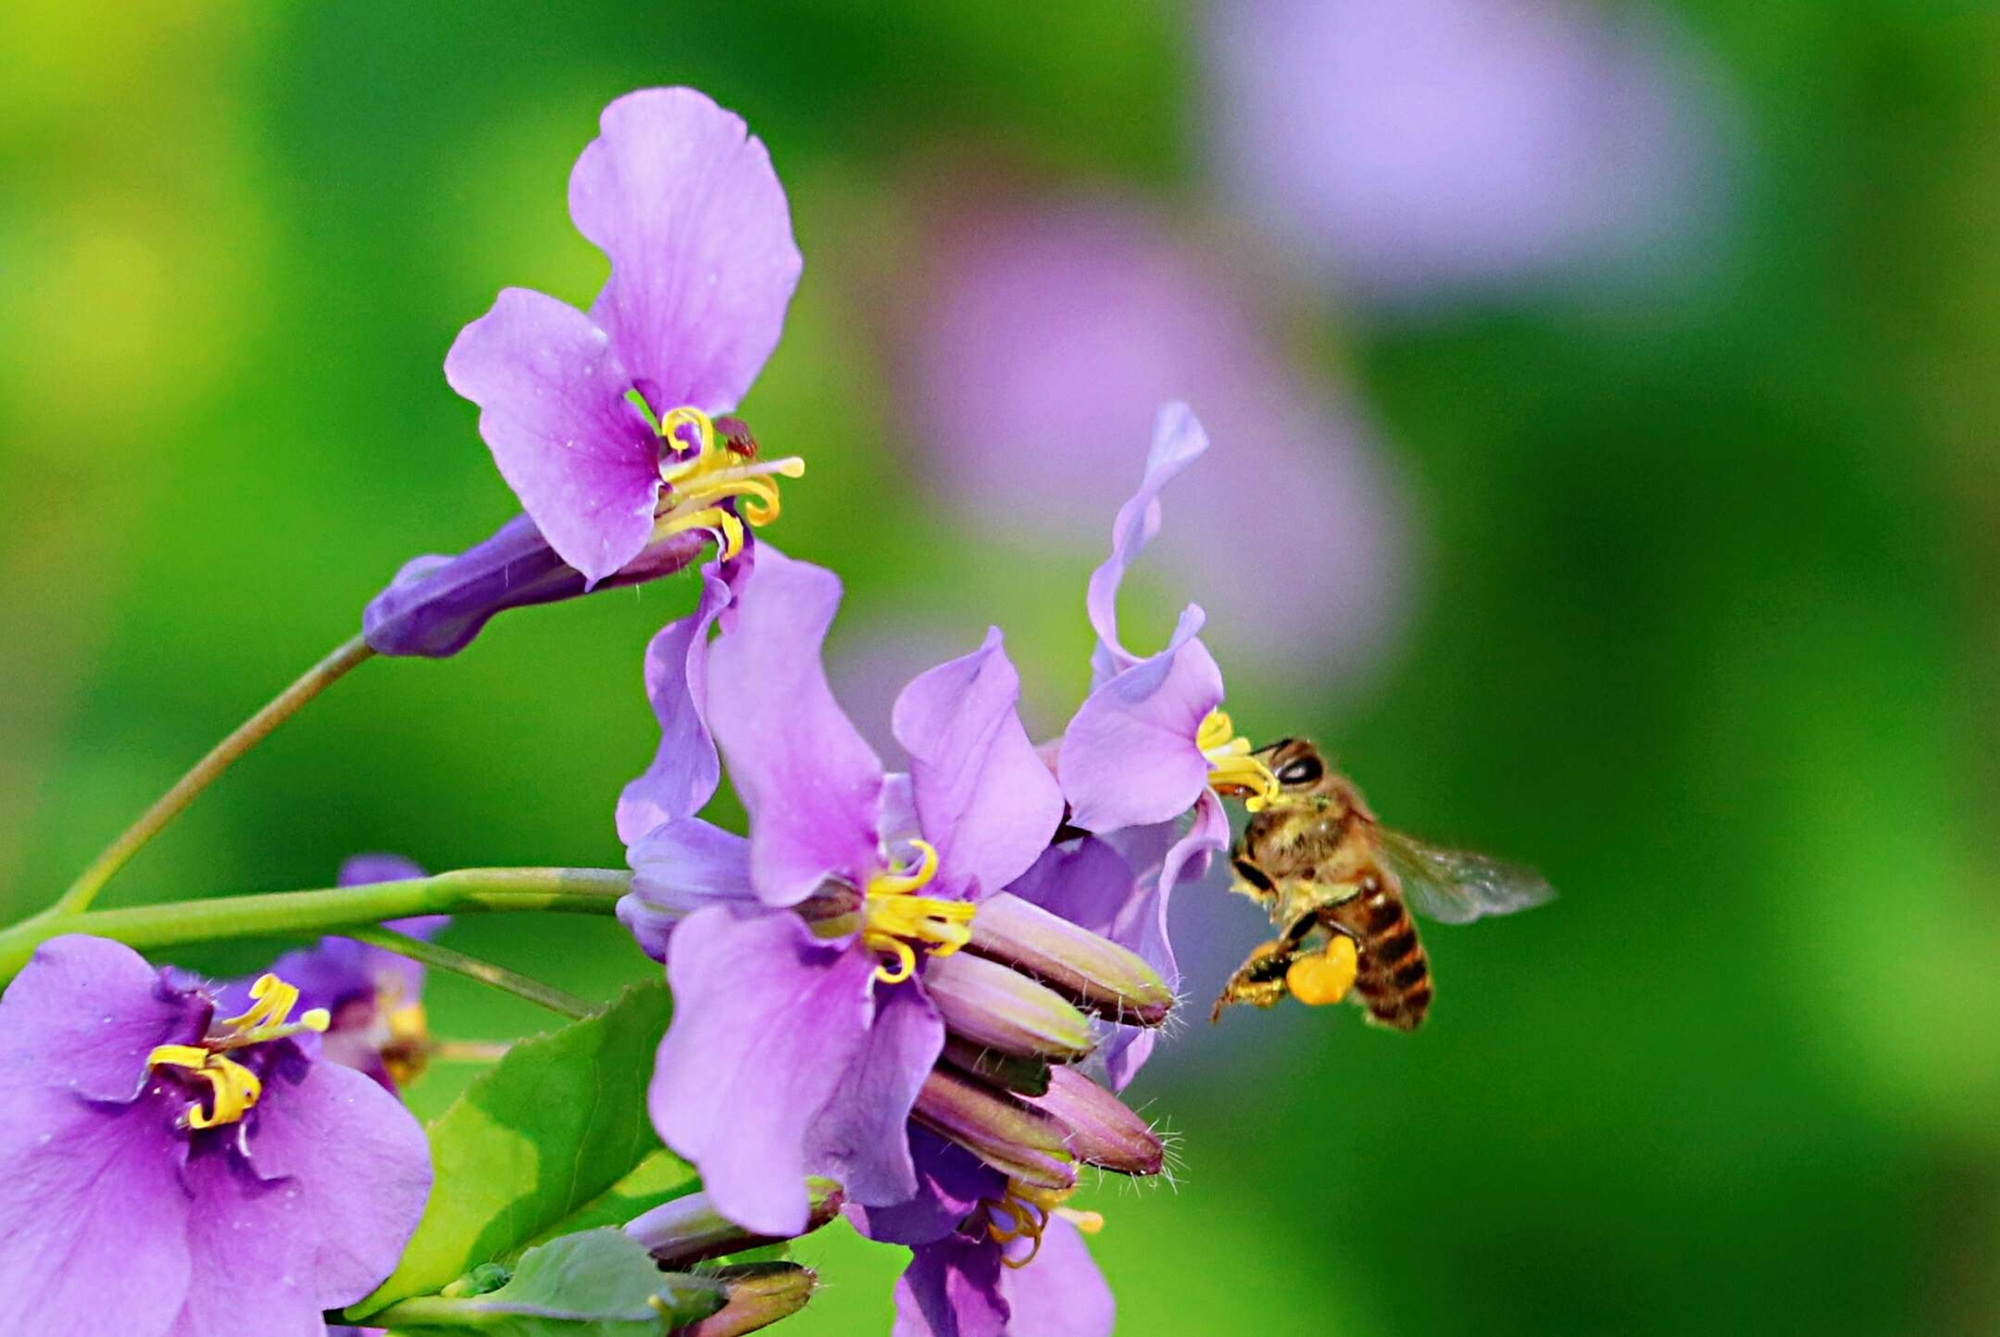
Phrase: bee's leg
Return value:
(1252, 881)
(1260, 980)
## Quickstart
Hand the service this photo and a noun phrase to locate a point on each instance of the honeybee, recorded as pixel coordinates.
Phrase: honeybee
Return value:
(1335, 883)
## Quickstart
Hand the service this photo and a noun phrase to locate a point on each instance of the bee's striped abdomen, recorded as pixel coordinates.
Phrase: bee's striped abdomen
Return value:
(1394, 975)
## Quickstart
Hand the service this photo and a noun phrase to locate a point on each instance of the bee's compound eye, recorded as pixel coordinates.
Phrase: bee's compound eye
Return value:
(1300, 771)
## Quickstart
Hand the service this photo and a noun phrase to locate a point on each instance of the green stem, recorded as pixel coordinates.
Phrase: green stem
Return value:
(485, 972)
(305, 913)
(168, 806)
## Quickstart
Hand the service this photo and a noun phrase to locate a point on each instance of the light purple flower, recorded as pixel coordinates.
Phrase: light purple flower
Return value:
(1038, 346)
(169, 1174)
(373, 997)
(802, 1031)
(604, 424)
(971, 1284)
(1415, 151)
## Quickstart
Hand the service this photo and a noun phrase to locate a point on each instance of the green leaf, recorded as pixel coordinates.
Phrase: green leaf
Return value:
(601, 1283)
(659, 1178)
(545, 1133)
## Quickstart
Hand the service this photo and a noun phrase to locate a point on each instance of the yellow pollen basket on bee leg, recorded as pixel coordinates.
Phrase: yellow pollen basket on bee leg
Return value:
(1232, 770)
(698, 484)
(894, 917)
(1326, 976)
(234, 1089)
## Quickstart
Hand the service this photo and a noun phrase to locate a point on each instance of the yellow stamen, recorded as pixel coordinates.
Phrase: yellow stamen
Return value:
(1325, 977)
(233, 1088)
(1025, 1214)
(698, 484)
(1232, 770)
(894, 917)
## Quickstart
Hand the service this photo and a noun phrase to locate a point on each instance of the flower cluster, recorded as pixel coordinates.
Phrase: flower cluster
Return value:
(906, 995)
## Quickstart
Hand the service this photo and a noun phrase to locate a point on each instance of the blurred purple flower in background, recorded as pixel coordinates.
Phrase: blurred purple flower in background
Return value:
(1415, 150)
(1040, 349)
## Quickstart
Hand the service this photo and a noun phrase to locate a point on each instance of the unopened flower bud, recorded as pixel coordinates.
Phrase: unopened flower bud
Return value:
(689, 1229)
(1001, 1009)
(1014, 1138)
(1103, 1130)
(1022, 1076)
(759, 1294)
(1095, 973)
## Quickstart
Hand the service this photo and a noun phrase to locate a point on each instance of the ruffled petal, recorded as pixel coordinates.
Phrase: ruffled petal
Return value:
(551, 395)
(677, 869)
(983, 796)
(1130, 758)
(83, 1014)
(1178, 440)
(952, 1289)
(767, 1022)
(91, 1209)
(317, 1216)
(861, 1137)
(684, 201)
(810, 782)
(684, 772)
(1062, 1293)
(951, 1181)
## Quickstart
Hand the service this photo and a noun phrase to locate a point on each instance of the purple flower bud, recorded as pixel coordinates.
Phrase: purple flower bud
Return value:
(759, 1294)
(1000, 1009)
(436, 605)
(689, 1229)
(1022, 1076)
(1103, 1131)
(1014, 1138)
(1095, 973)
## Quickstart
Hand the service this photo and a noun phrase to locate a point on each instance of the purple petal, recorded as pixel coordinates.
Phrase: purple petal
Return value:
(91, 1206)
(952, 1289)
(363, 869)
(810, 782)
(683, 775)
(1129, 757)
(683, 200)
(951, 1182)
(983, 796)
(1178, 440)
(861, 1138)
(334, 1187)
(551, 394)
(83, 1014)
(767, 1020)
(676, 869)
(1062, 1293)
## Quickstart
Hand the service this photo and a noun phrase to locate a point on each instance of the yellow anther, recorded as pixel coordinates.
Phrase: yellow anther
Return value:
(1025, 1214)
(407, 1051)
(1326, 976)
(699, 484)
(233, 1088)
(894, 917)
(268, 1017)
(1232, 770)
(1090, 1223)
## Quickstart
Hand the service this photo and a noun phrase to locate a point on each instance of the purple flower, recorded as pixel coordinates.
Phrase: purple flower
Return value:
(1041, 347)
(1426, 149)
(802, 1028)
(372, 997)
(170, 1172)
(603, 423)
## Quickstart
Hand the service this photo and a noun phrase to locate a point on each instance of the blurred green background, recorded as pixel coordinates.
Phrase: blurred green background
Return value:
(1701, 616)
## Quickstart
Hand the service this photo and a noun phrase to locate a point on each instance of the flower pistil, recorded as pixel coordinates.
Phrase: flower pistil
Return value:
(1233, 770)
(717, 472)
(894, 917)
(233, 1088)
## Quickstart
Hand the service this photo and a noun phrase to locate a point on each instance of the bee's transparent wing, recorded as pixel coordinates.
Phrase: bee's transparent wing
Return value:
(1458, 886)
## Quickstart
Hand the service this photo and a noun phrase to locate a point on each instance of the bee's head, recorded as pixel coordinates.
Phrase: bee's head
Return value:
(1297, 764)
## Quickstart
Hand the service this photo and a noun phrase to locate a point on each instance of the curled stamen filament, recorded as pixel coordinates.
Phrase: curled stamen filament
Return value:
(894, 917)
(268, 1017)
(698, 484)
(1025, 1214)
(233, 1088)
(1232, 770)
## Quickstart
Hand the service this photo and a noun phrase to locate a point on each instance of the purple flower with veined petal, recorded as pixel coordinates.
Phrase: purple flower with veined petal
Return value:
(604, 423)
(169, 1173)
(802, 1031)
(372, 996)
